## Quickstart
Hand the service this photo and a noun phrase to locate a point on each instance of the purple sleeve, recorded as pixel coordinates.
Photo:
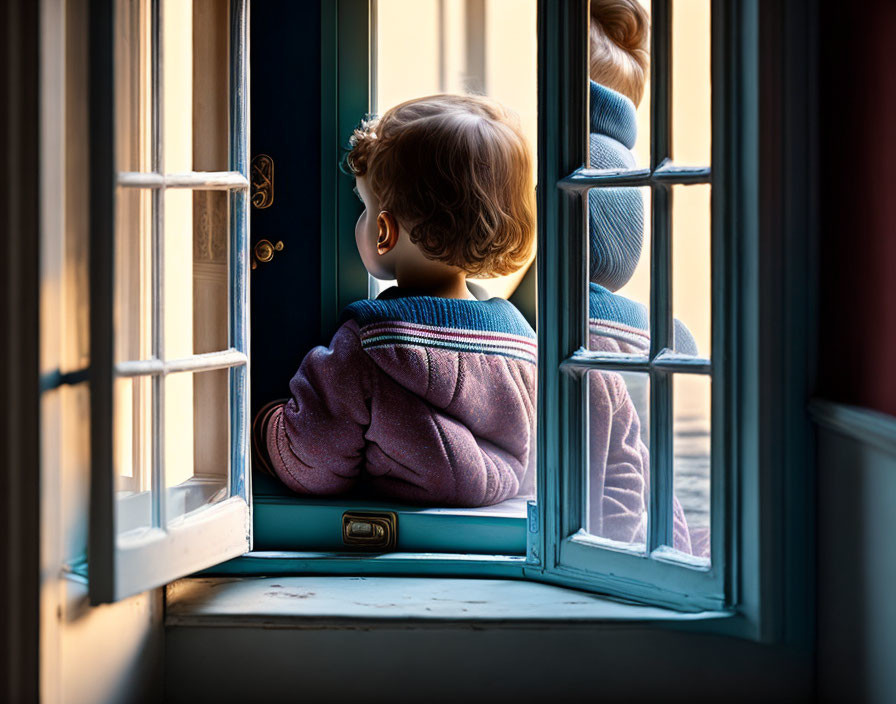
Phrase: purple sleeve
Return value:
(625, 482)
(316, 440)
(681, 536)
(628, 472)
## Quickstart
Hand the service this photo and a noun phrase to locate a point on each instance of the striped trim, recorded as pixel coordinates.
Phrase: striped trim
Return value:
(619, 331)
(401, 334)
(492, 316)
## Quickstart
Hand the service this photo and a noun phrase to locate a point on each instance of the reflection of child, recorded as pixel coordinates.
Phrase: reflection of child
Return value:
(618, 65)
(425, 394)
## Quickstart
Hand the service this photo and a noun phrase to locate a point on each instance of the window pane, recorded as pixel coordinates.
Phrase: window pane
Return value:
(691, 110)
(691, 262)
(619, 270)
(195, 272)
(618, 475)
(197, 440)
(133, 86)
(691, 456)
(177, 85)
(133, 453)
(619, 95)
(211, 242)
(133, 272)
(211, 94)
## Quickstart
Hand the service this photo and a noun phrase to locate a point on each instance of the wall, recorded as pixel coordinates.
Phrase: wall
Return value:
(452, 663)
(858, 211)
(856, 560)
(857, 320)
(111, 653)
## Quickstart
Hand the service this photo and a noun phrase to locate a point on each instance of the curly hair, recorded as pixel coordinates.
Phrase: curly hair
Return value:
(619, 55)
(456, 172)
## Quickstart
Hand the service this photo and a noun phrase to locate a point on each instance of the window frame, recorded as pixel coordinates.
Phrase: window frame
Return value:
(119, 566)
(569, 554)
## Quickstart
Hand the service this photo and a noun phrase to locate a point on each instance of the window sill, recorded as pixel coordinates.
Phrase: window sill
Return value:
(320, 602)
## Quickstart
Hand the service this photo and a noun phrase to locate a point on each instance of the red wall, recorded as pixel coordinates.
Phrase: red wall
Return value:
(857, 87)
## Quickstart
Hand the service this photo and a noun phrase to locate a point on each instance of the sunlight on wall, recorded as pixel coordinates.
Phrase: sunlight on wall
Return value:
(486, 47)
(455, 46)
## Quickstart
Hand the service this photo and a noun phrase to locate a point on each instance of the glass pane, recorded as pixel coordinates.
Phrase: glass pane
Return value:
(691, 97)
(211, 76)
(195, 85)
(195, 272)
(133, 452)
(177, 85)
(487, 47)
(619, 270)
(211, 242)
(133, 86)
(619, 461)
(197, 440)
(691, 262)
(691, 459)
(133, 272)
(619, 94)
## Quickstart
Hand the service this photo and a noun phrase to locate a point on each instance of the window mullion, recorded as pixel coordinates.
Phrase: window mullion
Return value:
(659, 525)
(158, 275)
(660, 506)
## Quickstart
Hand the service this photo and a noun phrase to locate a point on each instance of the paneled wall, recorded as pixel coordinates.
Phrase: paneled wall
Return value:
(856, 559)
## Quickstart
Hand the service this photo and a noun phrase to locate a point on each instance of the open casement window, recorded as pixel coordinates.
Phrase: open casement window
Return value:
(683, 392)
(169, 291)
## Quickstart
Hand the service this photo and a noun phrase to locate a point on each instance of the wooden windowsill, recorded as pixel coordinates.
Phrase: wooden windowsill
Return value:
(315, 602)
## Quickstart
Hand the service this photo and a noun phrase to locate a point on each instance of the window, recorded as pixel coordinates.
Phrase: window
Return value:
(695, 401)
(577, 369)
(169, 327)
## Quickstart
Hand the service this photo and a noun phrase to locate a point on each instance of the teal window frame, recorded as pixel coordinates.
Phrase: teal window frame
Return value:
(569, 552)
(761, 437)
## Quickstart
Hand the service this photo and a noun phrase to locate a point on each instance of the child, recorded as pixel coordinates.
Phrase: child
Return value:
(425, 394)
(618, 66)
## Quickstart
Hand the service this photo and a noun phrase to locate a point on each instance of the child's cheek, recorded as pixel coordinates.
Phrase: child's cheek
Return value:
(362, 240)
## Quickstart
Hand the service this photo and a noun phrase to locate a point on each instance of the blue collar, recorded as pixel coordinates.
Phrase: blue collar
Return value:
(603, 305)
(613, 115)
(493, 315)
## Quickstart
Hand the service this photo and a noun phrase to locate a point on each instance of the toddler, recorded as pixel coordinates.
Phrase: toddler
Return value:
(425, 394)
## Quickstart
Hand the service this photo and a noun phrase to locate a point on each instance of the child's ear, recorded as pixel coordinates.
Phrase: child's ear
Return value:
(386, 232)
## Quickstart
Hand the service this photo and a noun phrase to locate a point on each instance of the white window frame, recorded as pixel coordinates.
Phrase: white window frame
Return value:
(123, 564)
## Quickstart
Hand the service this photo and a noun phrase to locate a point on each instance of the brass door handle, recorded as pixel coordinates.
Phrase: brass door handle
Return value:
(264, 251)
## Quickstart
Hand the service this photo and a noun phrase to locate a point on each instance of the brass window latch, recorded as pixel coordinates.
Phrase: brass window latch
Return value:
(370, 530)
(262, 181)
(264, 251)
